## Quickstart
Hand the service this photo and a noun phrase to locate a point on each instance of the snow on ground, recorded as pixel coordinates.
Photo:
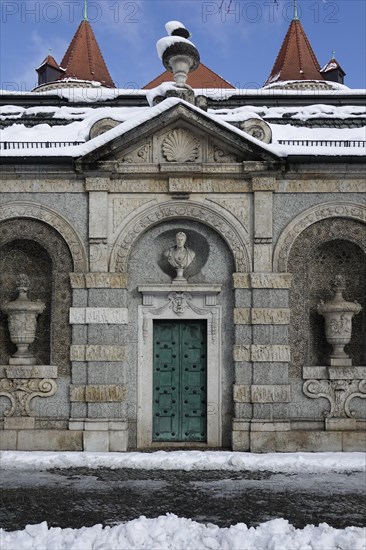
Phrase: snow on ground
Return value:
(171, 532)
(187, 460)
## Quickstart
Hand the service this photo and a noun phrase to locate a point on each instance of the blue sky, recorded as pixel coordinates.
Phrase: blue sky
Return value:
(239, 41)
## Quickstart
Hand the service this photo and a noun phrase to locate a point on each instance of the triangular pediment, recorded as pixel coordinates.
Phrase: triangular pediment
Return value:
(174, 132)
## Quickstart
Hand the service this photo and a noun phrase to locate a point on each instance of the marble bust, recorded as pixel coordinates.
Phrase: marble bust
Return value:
(180, 256)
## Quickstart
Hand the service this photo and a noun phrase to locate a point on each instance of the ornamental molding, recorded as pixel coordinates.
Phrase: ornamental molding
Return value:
(232, 232)
(179, 303)
(306, 219)
(21, 391)
(171, 303)
(339, 393)
(56, 221)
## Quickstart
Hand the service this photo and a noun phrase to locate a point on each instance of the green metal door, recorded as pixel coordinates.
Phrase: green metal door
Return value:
(180, 381)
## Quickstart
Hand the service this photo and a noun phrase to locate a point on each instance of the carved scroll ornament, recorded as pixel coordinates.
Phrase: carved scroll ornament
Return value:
(21, 391)
(339, 394)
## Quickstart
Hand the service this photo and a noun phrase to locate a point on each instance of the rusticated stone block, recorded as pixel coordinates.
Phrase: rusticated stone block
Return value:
(102, 393)
(270, 394)
(77, 280)
(242, 353)
(105, 280)
(97, 353)
(262, 280)
(98, 315)
(271, 280)
(242, 316)
(241, 280)
(270, 316)
(242, 394)
(276, 352)
(77, 352)
(105, 353)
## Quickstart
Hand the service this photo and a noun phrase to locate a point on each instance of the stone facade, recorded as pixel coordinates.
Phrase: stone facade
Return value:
(268, 235)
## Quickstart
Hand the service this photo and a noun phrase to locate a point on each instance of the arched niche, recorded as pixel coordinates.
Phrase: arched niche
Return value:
(220, 220)
(326, 248)
(338, 210)
(34, 248)
(31, 210)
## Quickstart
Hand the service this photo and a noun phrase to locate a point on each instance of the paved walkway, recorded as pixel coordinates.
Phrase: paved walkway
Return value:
(79, 496)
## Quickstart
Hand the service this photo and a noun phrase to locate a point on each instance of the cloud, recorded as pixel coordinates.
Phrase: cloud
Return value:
(32, 57)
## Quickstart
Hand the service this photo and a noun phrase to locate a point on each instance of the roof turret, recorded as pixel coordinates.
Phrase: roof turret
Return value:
(296, 59)
(83, 59)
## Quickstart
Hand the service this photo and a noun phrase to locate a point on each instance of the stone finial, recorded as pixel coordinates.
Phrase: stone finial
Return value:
(179, 55)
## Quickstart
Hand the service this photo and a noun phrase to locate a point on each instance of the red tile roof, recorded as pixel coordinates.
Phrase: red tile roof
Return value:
(331, 66)
(83, 59)
(296, 59)
(202, 77)
(50, 61)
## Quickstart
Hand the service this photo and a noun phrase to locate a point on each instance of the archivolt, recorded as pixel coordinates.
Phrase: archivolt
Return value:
(305, 219)
(54, 219)
(219, 219)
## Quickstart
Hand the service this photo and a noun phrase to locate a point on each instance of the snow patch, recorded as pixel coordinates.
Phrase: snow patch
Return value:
(187, 460)
(170, 532)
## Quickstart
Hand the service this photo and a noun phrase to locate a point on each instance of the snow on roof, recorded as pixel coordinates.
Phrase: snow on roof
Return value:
(139, 117)
(83, 118)
(299, 113)
(96, 93)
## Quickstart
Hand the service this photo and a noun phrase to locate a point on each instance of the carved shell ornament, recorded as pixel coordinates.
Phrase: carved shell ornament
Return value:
(180, 146)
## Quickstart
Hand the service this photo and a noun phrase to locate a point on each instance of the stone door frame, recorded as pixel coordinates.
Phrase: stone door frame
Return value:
(175, 302)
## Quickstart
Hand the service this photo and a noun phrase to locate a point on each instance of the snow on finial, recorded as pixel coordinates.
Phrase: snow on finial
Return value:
(178, 54)
(176, 28)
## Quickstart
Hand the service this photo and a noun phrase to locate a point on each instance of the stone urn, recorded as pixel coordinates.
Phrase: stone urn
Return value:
(178, 54)
(338, 314)
(22, 317)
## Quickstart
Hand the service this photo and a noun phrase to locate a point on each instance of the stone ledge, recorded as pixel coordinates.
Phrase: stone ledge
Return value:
(28, 371)
(264, 184)
(334, 373)
(262, 280)
(19, 423)
(268, 426)
(98, 280)
(306, 441)
(340, 424)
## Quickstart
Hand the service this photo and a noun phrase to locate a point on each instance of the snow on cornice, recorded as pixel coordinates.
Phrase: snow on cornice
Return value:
(100, 93)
